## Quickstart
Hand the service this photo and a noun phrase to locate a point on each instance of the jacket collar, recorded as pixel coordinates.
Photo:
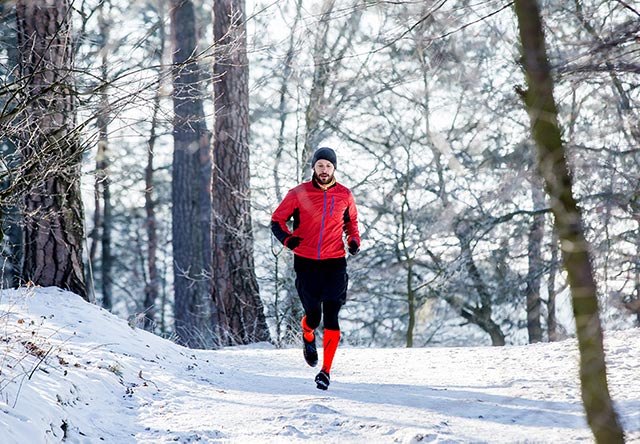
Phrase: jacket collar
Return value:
(322, 187)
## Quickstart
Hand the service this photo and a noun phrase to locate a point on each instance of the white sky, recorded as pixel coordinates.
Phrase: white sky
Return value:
(114, 384)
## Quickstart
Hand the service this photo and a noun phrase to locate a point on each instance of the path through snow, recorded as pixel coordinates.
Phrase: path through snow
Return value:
(102, 381)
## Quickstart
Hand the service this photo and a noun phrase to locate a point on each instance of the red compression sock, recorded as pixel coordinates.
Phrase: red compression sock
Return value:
(330, 344)
(307, 331)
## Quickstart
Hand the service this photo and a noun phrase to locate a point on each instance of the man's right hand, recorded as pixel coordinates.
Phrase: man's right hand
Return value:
(292, 242)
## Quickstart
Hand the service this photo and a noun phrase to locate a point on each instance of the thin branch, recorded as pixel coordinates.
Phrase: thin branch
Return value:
(628, 7)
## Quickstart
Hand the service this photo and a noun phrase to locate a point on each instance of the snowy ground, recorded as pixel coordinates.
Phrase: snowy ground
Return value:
(72, 371)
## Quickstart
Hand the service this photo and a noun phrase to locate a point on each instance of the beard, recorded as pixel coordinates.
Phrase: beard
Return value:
(323, 180)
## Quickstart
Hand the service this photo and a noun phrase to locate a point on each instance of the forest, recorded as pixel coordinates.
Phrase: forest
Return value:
(145, 144)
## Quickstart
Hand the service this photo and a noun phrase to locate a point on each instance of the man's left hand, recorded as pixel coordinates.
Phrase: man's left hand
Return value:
(353, 247)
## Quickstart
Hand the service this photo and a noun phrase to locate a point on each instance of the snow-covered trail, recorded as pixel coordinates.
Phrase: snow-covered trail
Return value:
(426, 395)
(106, 382)
(375, 396)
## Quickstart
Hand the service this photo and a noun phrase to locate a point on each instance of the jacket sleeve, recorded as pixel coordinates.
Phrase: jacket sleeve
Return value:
(281, 215)
(351, 221)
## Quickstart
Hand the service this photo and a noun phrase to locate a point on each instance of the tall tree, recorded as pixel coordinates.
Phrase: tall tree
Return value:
(553, 167)
(481, 312)
(534, 272)
(552, 320)
(103, 220)
(10, 227)
(191, 192)
(630, 130)
(50, 146)
(235, 286)
(288, 309)
(321, 77)
(331, 44)
(152, 285)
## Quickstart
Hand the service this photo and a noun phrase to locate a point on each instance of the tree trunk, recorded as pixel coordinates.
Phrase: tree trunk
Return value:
(103, 188)
(10, 219)
(534, 274)
(235, 286)
(406, 258)
(553, 168)
(191, 192)
(287, 70)
(411, 305)
(321, 76)
(637, 278)
(152, 286)
(10, 228)
(50, 147)
(552, 321)
(288, 309)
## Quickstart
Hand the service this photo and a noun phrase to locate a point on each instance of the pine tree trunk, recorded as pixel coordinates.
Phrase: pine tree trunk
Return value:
(235, 286)
(191, 192)
(51, 150)
(553, 167)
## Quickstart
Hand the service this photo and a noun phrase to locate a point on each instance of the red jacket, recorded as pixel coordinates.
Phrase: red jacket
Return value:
(320, 218)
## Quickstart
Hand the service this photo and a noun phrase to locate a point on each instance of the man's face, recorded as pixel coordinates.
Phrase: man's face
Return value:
(324, 171)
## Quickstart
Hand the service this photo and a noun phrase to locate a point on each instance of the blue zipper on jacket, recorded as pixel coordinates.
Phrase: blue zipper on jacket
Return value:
(324, 213)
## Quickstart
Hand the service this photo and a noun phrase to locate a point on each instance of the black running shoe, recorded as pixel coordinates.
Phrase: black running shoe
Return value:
(310, 352)
(322, 380)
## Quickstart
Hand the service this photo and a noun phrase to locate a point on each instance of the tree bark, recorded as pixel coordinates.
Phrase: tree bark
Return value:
(191, 192)
(50, 147)
(235, 286)
(554, 169)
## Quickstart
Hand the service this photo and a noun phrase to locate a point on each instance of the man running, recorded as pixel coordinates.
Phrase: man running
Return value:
(324, 216)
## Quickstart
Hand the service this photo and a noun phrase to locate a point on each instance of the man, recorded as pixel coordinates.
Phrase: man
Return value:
(323, 211)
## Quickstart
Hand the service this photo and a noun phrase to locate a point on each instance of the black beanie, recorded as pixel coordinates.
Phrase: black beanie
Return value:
(325, 153)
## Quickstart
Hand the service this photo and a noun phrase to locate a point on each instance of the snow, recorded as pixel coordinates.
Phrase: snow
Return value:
(72, 371)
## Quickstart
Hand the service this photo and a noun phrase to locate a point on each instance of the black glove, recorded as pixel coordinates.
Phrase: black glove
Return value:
(292, 242)
(353, 247)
